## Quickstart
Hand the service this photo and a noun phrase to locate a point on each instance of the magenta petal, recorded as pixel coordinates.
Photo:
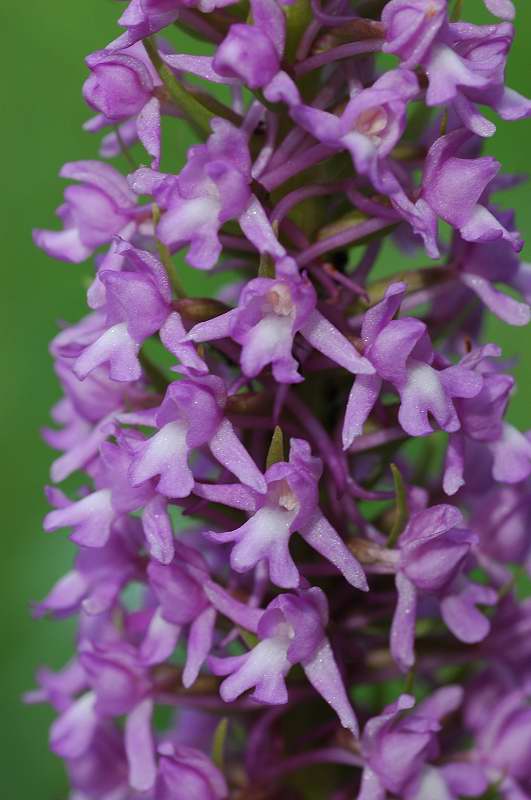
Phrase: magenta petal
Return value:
(454, 463)
(371, 787)
(90, 517)
(363, 396)
(501, 8)
(64, 245)
(173, 337)
(325, 337)
(216, 328)
(323, 673)
(255, 224)
(114, 347)
(72, 732)
(196, 65)
(322, 537)
(148, 127)
(158, 529)
(165, 454)
(230, 452)
(403, 625)
(160, 640)
(503, 305)
(238, 612)
(235, 495)
(465, 621)
(65, 595)
(140, 747)
(199, 645)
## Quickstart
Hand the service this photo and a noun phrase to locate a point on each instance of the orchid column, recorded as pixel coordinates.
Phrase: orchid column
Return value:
(303, 513)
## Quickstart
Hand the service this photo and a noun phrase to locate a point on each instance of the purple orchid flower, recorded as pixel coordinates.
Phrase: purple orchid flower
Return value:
(411, 27)
(99, 575)
(122, 87)
(142, 18)
(92, 214)
(481, 266)
(457, 200)
(401, 354)
(213, 188)
(397, 744)
(269, 314)
(138, 303)
(481, 418)
(504, 744)
(371, 125)
(250, 55)
(101, 771)
(182, 602)
(190, 416)
(502, 518)
(117, 685)
(289, 504)
(433, 550)
(464, 63)
(94, 516)
(185, 772)
(291, 631)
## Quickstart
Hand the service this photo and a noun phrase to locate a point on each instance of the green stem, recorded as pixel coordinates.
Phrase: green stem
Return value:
(124, 148)
(298, 16)
(166, 259)
(194, 111)
(154, 373)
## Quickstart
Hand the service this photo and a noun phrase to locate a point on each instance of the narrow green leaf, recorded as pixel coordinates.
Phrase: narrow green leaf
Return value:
(218, 742)
(276, 448)
(401, 509)
(266, 268)
(458, 10)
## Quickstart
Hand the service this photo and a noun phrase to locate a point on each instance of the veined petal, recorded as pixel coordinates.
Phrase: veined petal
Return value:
(165, 454)
(140, 747)
(503, 305)
(160, 640)
(361, 401)
(326, 338)
(91, 517)
(257, 228)
(323, 673)
(158, 529)
(72, 732)
(403, 625)
(263, 669)
(115, 347)
(325, 539)
(199, 644)
(230, 452)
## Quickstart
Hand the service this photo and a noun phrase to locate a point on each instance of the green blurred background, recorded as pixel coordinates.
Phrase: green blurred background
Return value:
(44, 43)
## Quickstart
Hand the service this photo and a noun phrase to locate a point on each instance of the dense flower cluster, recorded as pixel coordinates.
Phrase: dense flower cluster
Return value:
(303, 509)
